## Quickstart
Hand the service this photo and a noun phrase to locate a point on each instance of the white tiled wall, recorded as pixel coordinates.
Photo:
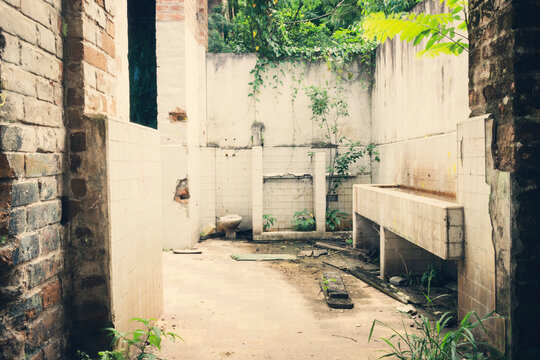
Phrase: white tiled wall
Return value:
(476, 274)
(134, 166)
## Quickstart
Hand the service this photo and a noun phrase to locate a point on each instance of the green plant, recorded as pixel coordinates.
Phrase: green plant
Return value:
(135, 345)
(349, 241)
(434, 342)
(443, 36)
(334, 217)
(325, 282)
(327, 106)
(303, 220)
(268, 221)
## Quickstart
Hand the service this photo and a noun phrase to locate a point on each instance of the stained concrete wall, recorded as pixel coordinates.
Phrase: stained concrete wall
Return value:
(288, 138)
(417, 103)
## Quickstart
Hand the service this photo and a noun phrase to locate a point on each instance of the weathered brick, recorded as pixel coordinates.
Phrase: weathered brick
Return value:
(25, 309)
(78, 187)
(55, 348)
(43, 214)
(42, 165)
(48, 188)
(17, 138)
(45, 89)
(95, 57)
(110, 28)
(46, 139)
(12, 52)
(24, 193)
(17, 80)
(6, 257)
(96, 13)
(43, 269)
(104, 82)
(17, 221)
(46, 39)
(107, 44)
(51, 294)
(40, 63)
(15, 23)
(49, 239)
(37, 10)
(11, 165)
(28, 249)
(46, 326)
(77, 141)
(42, 113)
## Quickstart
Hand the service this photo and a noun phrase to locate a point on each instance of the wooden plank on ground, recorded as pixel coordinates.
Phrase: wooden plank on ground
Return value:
(334, 290)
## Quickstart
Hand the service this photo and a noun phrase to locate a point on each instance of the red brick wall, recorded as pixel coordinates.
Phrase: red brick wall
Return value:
(32, 148)
(170, 10)
(194, 12)
(91, 76)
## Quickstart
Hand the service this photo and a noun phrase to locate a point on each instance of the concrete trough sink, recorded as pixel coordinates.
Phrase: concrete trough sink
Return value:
(430, 221)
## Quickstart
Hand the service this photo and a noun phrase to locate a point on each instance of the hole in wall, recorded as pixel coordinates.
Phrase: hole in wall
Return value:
(181, 194)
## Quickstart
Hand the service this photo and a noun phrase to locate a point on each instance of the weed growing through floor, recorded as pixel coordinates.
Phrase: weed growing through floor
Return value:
(325, 282)
(334, 217)
(433, 342)
(303, 220)
(135, 345)
(268, 221)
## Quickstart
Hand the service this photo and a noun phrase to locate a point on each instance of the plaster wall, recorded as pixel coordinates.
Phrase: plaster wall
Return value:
(231, 111)
(181, 87)
(288, 137)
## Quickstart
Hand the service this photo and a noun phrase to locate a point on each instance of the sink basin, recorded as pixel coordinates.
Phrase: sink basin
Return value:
(433, 222)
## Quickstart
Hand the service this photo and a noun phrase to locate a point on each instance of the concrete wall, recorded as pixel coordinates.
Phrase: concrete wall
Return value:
(417, 103)
(32, 154)
(288, 138)
(181, 48)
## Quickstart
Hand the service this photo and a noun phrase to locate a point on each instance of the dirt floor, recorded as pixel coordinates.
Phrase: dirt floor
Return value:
(227, 309)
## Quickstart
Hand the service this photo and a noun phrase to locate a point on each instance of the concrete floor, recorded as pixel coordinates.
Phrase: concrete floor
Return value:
(225, 309)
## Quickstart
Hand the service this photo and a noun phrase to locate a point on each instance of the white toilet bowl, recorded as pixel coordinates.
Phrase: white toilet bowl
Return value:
(230, 223)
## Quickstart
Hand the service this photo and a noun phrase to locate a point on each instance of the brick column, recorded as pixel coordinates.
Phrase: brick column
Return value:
(90, 80)
(319, 191)
(504, 81)
(257, 190)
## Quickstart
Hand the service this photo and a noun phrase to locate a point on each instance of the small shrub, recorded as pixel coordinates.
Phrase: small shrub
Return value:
(303, 220)
(334, 217)
(135, 345)
(268, 221)
(433, 343)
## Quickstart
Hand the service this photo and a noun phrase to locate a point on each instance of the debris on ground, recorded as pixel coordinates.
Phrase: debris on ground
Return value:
(312, 253)
(334, 290)
(262, 257)
(186, 251)
(378, 284)
(398, 281)
(408, 309)
(208, 229)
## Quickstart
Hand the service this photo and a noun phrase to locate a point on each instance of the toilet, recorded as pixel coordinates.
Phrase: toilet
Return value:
(229, 223)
